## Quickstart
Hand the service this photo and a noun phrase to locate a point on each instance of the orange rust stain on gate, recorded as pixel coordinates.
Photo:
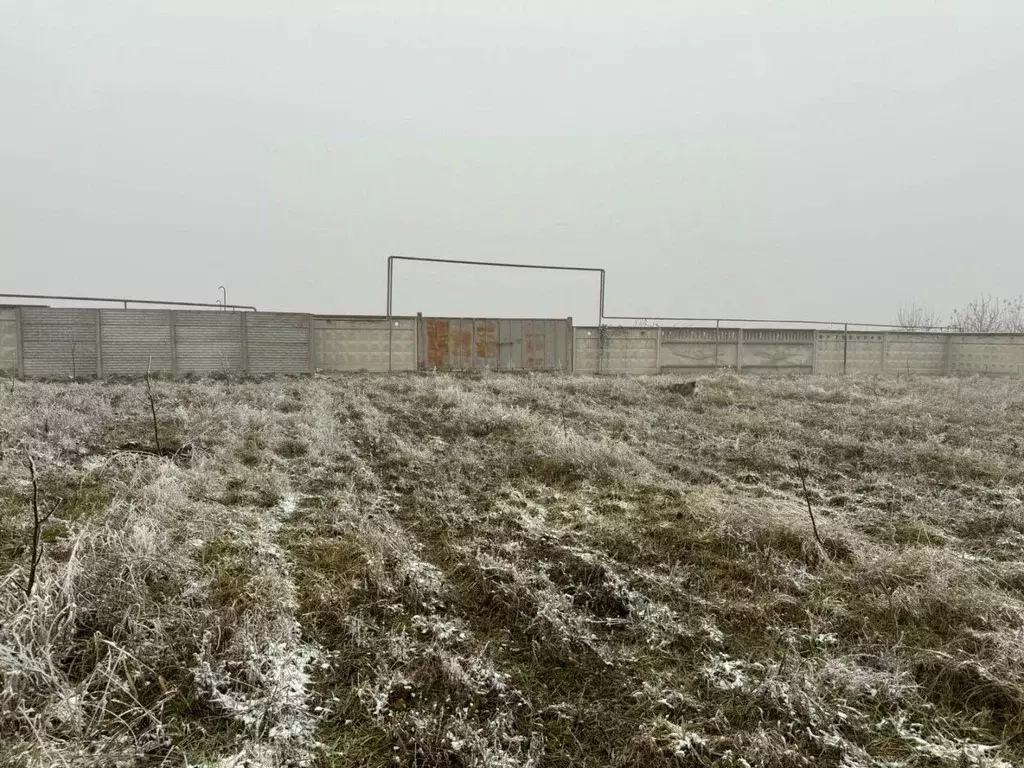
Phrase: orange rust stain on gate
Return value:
(463, 353)
(437, 344)
(487, 343)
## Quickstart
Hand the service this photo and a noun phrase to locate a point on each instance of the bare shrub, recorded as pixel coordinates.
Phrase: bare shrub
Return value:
(989, 314)
(985, 314)
(914, 316)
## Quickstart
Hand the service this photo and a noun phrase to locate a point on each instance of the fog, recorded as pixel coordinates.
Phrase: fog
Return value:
(783, 160)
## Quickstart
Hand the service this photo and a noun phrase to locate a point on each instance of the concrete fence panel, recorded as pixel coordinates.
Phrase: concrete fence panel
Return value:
(278, 343)
(9, 355)
(342, 343)
(616, 351)
(769, 350)
(698, 350)
(132, 339)
(854, 352)
(917, 354)
(60, 342)
(1002, 354)
(209, 342)
(586, 349)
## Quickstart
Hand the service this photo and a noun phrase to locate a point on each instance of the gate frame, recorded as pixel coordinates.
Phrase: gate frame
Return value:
(554, 267)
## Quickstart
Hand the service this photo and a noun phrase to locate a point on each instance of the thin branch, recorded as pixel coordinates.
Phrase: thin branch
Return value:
(152, 407)
(38, 521)
(807, 498)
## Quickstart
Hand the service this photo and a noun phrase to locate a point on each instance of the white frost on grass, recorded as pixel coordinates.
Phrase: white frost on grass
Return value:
(263, 681)
(958, 753)
(288, 504)
(685, 743)
(273, 700)
(727, 673)
(250, 756)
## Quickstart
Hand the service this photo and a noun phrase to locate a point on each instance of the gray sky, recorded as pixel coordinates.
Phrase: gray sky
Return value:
(787, 159)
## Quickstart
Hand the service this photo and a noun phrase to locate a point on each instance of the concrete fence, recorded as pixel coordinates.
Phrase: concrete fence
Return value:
(87, 343)
(693, 351)
(354, 343)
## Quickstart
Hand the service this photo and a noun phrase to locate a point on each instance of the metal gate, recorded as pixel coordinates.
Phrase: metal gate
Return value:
(462, 344)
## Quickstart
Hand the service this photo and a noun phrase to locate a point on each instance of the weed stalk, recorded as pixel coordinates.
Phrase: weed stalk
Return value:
(38, 520)
(807, 498)
(152, 406)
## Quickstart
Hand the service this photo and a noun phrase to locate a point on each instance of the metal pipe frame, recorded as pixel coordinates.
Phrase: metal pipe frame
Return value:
(468, 262)
(719, 320)
(559, 268)
(126, 302)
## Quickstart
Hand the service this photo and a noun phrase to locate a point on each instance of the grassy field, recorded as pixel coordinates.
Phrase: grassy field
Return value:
(505, 571)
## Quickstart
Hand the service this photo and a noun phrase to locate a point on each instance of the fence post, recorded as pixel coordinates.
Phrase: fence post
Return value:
(420, 343)
(625, 353)
(949, 355)
(657, 350)
(172, 324)
(739, 350)
(312, 346)
(99, 345)
(885, 349)
(814, 351)
(245, 341)
(571, 351)
(19, 339)
(846, 339)
(718, 336)
(472, 343)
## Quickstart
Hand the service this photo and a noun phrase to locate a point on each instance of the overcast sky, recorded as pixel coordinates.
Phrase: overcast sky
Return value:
(809, 159)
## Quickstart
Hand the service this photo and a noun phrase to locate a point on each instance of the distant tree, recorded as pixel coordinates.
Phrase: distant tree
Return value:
(915, 316)
(1014, 315)
(989, 314)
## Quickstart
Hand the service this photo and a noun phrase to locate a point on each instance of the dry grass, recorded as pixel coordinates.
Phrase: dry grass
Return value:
(515, 571)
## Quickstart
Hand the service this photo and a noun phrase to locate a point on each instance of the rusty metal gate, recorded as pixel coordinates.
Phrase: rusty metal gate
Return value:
(462, 344)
